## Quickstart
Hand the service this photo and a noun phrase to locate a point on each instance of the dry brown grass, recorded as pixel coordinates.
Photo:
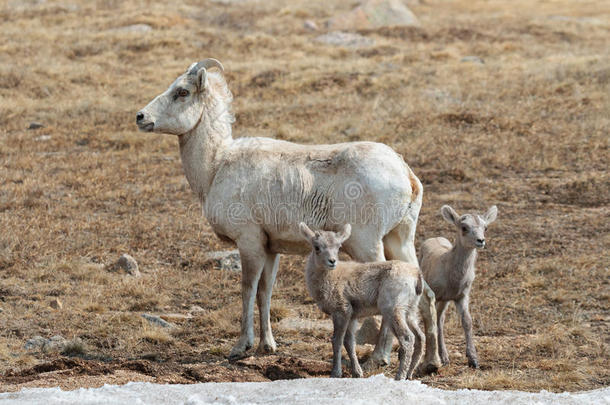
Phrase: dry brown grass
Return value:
(527, 130)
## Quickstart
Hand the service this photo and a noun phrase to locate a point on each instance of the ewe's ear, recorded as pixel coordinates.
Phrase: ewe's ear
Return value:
(306, 232)
(202, 79)
(449, 214)
(491, 214)
(345, 233)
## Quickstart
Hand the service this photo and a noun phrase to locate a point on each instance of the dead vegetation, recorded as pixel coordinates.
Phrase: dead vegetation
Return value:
(526, 129)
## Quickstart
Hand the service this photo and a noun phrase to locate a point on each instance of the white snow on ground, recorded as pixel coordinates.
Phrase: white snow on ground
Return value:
(316, 391)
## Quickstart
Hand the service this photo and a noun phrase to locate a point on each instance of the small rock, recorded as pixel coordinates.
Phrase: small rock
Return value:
(157, 321)
(136, 28)
(347, 39)
(176, 318)
(225, 260)
(35, 125)
(472, 59)
(42, 138)
(37, 342)
(196, 308)
(56, 304)
(129, 265)
(300, 324)
(310, 25)
(374, 14)
(55, 343)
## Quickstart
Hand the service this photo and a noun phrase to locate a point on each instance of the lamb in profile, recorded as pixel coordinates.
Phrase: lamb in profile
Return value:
(350, 290)
(449, 271)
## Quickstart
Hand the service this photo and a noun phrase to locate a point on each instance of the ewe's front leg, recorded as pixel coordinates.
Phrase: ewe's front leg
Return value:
(263, 298)
(340, 324)
(252, 262)
(471, 352)
(427, 309)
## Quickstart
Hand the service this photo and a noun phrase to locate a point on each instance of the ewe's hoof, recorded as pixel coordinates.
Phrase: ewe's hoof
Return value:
(266, 348)
(473, 364)
(239, 352)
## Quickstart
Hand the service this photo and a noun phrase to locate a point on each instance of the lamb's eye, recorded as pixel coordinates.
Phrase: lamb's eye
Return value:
(182, 92)
(317, 249)
(464, 229)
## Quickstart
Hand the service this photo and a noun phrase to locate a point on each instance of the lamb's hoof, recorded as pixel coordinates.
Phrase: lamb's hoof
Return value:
(373, 364)
(336, 374)
(357, 373)
(427, 369)
(472, 363)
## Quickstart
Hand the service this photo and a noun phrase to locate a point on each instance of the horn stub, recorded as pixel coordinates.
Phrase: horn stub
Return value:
(208, 64)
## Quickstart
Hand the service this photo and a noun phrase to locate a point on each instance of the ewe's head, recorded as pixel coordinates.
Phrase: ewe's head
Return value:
(179, 109)
(325, 244)
(471, 227)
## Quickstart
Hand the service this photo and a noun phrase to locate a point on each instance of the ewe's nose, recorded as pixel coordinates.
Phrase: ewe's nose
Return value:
(140, 116)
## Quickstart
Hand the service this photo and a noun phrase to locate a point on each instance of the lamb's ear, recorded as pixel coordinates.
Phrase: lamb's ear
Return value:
(491, 214)
(306, 232)
(345, 233)
(449, 214)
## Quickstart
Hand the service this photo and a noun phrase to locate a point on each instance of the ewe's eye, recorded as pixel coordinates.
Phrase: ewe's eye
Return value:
(181, 93)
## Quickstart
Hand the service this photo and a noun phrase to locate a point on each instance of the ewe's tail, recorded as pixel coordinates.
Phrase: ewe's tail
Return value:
(419, 287)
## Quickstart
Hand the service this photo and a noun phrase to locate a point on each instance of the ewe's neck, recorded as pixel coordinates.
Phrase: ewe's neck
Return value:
(201, 150)
(462, 259)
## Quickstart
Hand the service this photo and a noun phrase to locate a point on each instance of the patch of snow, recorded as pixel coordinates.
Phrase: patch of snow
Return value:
(319, 391)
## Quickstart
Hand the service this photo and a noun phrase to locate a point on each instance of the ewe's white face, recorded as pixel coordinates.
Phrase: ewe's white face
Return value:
(178, 110)
(175, 111)
(471, 227)
(325, 245)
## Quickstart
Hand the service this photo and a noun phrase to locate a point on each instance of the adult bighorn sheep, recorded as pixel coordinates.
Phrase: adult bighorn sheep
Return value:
(255, 192)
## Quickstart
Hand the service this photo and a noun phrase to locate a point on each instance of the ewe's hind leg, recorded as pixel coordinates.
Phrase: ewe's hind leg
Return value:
(405, 343)
(399, 245)
(350, 345)
(263, 298)
(418, 346)
(252, 261)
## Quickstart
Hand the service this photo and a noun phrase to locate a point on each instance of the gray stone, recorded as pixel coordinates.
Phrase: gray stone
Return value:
(225, 260)
(156, 320)
(305, 325)
(35, 125)
(374, 14)
(473, 59)
(128, 264)
(134, 28)
(55, 343)
(310, 25)
(346, 39)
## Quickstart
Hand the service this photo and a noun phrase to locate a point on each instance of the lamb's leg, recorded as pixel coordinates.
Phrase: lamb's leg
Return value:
(427, 309)
(418, 346)
(263, 298)
(471, 352)
(340, 324)
(399, 245)
(350, 345)
(405, 343)
(441, 308)
(252, 262)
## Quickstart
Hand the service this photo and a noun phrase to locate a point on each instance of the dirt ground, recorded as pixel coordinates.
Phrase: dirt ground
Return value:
(523, 125)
